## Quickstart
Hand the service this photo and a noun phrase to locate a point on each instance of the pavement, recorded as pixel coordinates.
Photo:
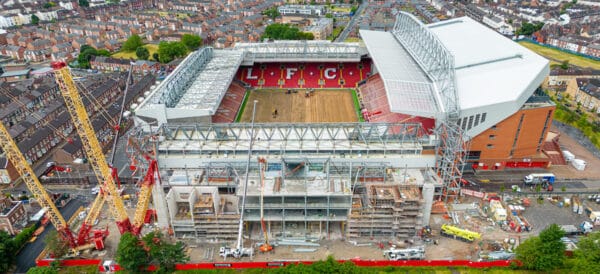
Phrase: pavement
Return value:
(26, 258)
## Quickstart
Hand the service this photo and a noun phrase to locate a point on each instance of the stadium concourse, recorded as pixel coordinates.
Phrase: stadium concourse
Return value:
(421, 89)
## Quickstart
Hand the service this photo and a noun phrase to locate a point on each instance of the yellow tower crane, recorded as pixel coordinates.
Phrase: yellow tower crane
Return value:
(13, 154)
(94, 154)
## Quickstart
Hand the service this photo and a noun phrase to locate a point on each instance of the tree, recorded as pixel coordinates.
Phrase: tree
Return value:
(545, 252)
(7, 252)
(587, 254)
(192, 42)
(167, 51)
(132, 43)
(285, 32)
(529, 28)
(271, 13)
(84, 3)
(85, 55)
(155, 56)
(34, 19)
(48, 5)
(131, 256)
(564, 64)
(142, 53)
(162, 253)
(103, 52)
(57, 246)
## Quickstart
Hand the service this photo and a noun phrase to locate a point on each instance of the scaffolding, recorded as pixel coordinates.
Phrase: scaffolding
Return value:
(385, 211)
(304, 197)
(433, 57)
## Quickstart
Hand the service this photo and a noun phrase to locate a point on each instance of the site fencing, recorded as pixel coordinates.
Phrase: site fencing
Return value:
(105, 266)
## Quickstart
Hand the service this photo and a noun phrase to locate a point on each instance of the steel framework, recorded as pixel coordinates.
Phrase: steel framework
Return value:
(277, 139)
(300, 51)
(438, 63)
(170, 91)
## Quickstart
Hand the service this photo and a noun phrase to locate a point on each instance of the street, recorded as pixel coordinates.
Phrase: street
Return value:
(342, 37)
(26, 258)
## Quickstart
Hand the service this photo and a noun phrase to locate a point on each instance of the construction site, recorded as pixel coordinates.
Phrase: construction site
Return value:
(299, 174)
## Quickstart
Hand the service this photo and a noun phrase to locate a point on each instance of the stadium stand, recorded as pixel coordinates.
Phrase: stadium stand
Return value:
(292, 73)
(331, 75)
(230, 104)
(365, 69)
(250, 76)
(375, 107)
(312, 75)
(271, 74)
(351, 74)
(305, 75)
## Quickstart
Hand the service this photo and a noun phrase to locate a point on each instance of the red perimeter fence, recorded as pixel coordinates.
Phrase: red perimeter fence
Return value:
(242, 265)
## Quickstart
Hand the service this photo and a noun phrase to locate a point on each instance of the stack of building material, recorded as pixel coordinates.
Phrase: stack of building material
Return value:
(578, 164)
(568, 155)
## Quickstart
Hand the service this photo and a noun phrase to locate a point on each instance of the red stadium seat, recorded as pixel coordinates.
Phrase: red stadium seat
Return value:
(272, 75)
(311, 75)
(375, 106)
(230, 105)
(292, 73)
(304, 75)
(350, 74)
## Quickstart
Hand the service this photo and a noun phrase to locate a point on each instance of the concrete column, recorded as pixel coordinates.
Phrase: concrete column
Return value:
(428, 190)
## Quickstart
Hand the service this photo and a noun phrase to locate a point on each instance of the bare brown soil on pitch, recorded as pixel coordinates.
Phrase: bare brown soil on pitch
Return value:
(323, 106)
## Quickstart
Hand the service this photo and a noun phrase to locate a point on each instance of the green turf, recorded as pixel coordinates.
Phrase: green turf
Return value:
(357, 106)
(242, 107)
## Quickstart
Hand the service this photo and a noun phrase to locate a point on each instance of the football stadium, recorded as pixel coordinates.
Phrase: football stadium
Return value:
(323, 140)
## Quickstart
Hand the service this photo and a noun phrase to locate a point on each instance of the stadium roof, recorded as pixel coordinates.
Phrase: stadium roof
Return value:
(408, 88)
(300, 51)
(489, 67)
(195, 88)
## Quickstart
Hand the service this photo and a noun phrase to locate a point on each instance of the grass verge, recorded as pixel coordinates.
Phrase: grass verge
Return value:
(560, 56)
(152, 48)
(581, 122)
(242, 107)
(357, 106)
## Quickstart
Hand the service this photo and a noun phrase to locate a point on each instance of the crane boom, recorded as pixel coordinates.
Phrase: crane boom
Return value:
(144, 197)
(93, 151)
(33, 184)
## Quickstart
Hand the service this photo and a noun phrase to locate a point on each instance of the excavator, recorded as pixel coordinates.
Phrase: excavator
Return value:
(266, 247)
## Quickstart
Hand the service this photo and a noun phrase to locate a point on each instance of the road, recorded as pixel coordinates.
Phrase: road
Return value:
(508, 178)
(342, 37)
(26, 258)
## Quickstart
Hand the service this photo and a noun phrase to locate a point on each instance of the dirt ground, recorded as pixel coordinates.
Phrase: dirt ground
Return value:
(570, 144)
(322, 106)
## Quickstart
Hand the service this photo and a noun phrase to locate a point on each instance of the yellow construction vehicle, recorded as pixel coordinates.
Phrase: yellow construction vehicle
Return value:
(459, 233)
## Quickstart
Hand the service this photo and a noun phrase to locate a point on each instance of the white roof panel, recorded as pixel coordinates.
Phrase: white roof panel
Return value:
(490, 68)
(408, 88)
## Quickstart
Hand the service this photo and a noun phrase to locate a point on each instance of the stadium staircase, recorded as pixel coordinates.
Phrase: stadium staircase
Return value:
(551, 148)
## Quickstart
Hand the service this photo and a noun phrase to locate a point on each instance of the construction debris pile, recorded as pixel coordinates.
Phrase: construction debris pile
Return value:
(498, 250)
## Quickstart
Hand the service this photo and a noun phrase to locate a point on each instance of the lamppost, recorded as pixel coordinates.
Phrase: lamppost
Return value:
(241, 225)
